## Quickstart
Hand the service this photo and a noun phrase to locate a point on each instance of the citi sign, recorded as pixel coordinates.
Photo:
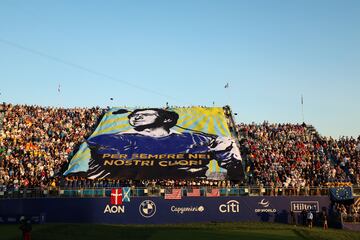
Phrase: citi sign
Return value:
(231, 206)
(299, 206)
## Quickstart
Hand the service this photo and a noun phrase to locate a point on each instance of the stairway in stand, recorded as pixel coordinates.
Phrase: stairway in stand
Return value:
(2, 115)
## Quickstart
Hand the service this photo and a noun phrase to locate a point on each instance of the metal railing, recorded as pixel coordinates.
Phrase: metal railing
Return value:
(159, 191)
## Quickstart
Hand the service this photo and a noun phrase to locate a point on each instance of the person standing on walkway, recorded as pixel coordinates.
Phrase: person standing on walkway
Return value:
(309, 218)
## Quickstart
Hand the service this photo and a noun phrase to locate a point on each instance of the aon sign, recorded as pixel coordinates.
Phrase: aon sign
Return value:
(114, 209)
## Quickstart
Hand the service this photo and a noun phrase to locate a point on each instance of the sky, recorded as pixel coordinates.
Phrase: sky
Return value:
(149, 53)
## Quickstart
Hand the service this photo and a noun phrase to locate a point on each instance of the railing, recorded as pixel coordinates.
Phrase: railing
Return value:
(159, 191)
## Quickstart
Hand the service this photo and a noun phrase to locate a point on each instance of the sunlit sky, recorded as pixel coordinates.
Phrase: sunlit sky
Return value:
(147, 53)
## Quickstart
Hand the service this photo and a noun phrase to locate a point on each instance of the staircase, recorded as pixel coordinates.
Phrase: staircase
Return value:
(312, 131)
(2, 115)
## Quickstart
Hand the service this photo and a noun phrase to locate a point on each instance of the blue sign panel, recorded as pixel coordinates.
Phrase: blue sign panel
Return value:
(156, 210)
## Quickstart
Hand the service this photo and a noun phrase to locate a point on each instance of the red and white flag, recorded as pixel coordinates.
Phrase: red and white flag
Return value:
(174, 193)
(213, 192)
(193, 192)
(116, 196)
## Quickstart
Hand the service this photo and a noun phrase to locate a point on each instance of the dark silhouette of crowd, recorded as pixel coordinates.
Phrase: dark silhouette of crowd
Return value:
(38, 142)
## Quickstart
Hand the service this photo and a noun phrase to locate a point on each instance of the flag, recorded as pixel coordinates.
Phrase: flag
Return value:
(226, 85)
(116, 196)
(341, 194)
(193, 192)
(213, 192)
(126, 194)
(173, 193)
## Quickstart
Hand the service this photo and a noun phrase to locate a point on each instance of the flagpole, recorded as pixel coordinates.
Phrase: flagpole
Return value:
(59, 94)
(302, 108)
(227, 93)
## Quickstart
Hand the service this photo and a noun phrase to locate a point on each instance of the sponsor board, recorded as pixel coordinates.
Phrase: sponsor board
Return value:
(299, 206)
(265, 207)
(111, 209)
(191, 209)
(147, 208)
(231, 206)
(11, 219)
(17, 218)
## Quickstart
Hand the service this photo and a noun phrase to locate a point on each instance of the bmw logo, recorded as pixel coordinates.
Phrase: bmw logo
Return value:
(147, 208)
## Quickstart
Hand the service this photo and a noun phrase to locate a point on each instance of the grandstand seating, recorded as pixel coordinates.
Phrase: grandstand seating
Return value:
(295, 156)
(37, 143)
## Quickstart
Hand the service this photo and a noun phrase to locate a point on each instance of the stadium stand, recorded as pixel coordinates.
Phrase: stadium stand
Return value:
(296, 157)
(37, 144)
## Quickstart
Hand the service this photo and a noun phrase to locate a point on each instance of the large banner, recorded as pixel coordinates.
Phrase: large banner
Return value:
(152, 143)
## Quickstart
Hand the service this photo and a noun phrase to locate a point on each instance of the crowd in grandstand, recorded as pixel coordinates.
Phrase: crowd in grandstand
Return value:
(38, 142)
(348, 212)
(295, 156)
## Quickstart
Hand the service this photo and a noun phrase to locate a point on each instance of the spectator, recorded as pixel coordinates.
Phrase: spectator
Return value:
(25, 228)
(309, 217)
(293, 218)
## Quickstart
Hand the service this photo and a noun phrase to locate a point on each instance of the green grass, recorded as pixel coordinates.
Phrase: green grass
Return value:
(247, 230)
